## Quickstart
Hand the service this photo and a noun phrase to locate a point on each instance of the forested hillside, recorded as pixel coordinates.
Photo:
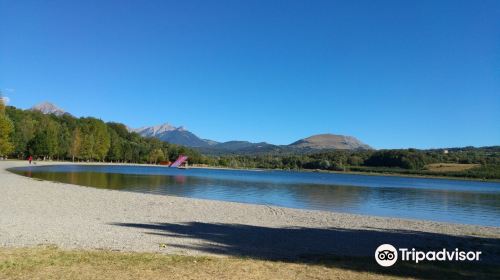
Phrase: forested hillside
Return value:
(66, 137)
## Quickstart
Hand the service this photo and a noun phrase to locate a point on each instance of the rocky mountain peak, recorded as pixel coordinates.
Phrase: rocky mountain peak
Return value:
(48, 108)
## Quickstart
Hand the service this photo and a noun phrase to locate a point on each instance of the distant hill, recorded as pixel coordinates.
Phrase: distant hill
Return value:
(240, 145)
(330, 141)
(48, 108)
(210, 142)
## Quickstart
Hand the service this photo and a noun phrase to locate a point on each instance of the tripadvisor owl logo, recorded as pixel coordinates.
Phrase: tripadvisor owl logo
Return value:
(386, 255)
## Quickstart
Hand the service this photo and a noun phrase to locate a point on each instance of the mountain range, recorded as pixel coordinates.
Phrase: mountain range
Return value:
(181, 136)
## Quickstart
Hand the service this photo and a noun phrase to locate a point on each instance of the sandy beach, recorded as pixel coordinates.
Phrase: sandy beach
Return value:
(34, 212)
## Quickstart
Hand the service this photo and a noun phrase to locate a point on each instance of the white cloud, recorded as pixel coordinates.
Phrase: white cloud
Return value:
(3, 92)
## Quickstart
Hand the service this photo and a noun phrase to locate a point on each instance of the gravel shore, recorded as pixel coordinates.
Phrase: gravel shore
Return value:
(34, 212)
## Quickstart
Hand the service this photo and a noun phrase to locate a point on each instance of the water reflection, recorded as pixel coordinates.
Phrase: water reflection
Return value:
(441, 200)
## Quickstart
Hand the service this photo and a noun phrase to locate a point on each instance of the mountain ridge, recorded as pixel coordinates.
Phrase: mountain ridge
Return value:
(181, 136)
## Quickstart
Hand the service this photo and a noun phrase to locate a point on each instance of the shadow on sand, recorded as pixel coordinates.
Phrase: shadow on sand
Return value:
(334, 247)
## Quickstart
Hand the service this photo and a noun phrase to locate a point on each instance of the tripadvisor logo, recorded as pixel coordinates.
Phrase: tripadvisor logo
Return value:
(387, 255)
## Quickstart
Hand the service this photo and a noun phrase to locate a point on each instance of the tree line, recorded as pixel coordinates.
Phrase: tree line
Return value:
(47, 136)
(405, 161)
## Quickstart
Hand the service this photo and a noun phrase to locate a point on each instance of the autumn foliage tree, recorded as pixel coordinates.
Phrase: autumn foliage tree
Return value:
(6, 129)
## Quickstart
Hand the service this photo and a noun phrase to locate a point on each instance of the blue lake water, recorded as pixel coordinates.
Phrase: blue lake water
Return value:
(456, 201)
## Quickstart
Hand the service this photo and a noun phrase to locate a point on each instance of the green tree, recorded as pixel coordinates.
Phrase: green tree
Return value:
(46, 142)
(76, 143)
(24, 131)
(6, 128)
(95, 139)
(156, 156)
(324, 164)
(64, 141)
(355, 160)
(115, 152)
(87, 146)
(102, 140)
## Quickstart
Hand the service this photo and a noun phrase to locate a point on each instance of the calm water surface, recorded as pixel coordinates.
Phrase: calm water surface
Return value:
(456, 201)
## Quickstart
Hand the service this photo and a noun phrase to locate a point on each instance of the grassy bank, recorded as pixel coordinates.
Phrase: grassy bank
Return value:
(52, 263)
(480, 173)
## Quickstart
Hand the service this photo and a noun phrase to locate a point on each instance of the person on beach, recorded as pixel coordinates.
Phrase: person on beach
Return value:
(30, 159)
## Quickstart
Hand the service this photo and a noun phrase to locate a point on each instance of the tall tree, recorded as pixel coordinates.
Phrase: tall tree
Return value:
(76, 143)
(6, 128)
(46, 140)
(24, 131)
(65, 139)
(87, 146)
(115, 152)
(95, 140)
(156, 155)
(102, 140)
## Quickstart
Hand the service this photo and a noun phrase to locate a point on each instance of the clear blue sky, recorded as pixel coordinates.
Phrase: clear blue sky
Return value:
(395, 74)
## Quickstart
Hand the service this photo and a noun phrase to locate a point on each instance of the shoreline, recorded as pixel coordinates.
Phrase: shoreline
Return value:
(393, 174)
(364, 173)
(37, 212)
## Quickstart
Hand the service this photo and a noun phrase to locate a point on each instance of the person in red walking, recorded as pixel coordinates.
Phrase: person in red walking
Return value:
(30, 159)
